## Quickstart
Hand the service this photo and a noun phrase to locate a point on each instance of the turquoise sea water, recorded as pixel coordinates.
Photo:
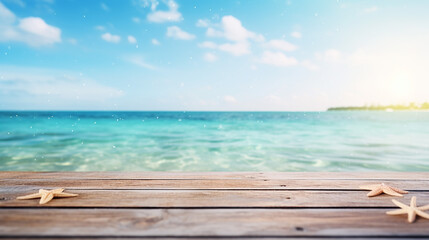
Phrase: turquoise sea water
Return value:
(214, 141)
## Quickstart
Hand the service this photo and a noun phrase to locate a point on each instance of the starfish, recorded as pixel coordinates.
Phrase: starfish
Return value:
(47, 195)
(378, 189)
(411, 210)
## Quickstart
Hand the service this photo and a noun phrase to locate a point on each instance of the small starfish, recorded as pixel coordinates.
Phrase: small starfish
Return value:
(46, 195)
(411, 210)
(378, 189)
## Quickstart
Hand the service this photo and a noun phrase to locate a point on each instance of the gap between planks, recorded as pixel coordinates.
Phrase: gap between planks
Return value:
(210, 238)
(217, 184)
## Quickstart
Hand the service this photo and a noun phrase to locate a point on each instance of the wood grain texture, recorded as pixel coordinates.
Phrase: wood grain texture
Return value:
(208, 198)
(207, 222)
(218, 175)
(114, 205)
(219, 184)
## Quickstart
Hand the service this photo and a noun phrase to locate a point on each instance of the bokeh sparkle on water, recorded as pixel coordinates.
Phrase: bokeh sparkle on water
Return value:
(214, 141)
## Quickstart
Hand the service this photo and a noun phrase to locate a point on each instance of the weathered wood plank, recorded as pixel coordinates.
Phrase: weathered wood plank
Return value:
(207, 199)
(274, 184)
(207, 222)
(218, 175)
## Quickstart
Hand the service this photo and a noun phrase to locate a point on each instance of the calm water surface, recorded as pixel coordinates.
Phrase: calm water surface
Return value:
(214, 141)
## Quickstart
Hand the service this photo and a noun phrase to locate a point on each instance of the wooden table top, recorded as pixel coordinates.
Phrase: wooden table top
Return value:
(129, 205)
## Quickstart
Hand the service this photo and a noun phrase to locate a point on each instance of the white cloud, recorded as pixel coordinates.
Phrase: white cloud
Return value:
(296, 34)
(36, 83)
(104, 7)
(211, 32)
(230, 99)
(281, 45)
(136, 19)
(177, 33)
(233, 31)
(202, 23)
(155, 41)
(111, 38)
(210, 57)
(208, 44)
(371, 9)
(6, 16)
(45, 33)
(139, 61)
(159, 16)
(32, 30)
(236, 49)
(132, 39)
(278, 59)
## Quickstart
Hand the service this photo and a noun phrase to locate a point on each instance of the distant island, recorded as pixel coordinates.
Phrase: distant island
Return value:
(411, 106)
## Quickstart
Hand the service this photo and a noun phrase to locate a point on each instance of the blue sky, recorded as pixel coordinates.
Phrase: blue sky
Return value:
(211, 55)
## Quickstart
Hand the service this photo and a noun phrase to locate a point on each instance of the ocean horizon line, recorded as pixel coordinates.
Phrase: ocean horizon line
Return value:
(172, 111)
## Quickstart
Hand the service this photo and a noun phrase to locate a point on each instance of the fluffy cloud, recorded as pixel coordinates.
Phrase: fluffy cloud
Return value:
(278, 59)
(238, 41)
(6, 16)
(281, 45)
(33, 31)
(159, 16)
(177, 33)
(211, 32)
(210, 57)
(296, 35)
(233, 31)
(45, 33)
(132, 39)
(111, 38)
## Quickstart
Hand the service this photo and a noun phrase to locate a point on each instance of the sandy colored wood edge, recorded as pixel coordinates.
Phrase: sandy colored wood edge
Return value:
(217, 175)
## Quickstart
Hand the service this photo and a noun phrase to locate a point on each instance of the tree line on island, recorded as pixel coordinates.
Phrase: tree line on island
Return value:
(398, 107)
